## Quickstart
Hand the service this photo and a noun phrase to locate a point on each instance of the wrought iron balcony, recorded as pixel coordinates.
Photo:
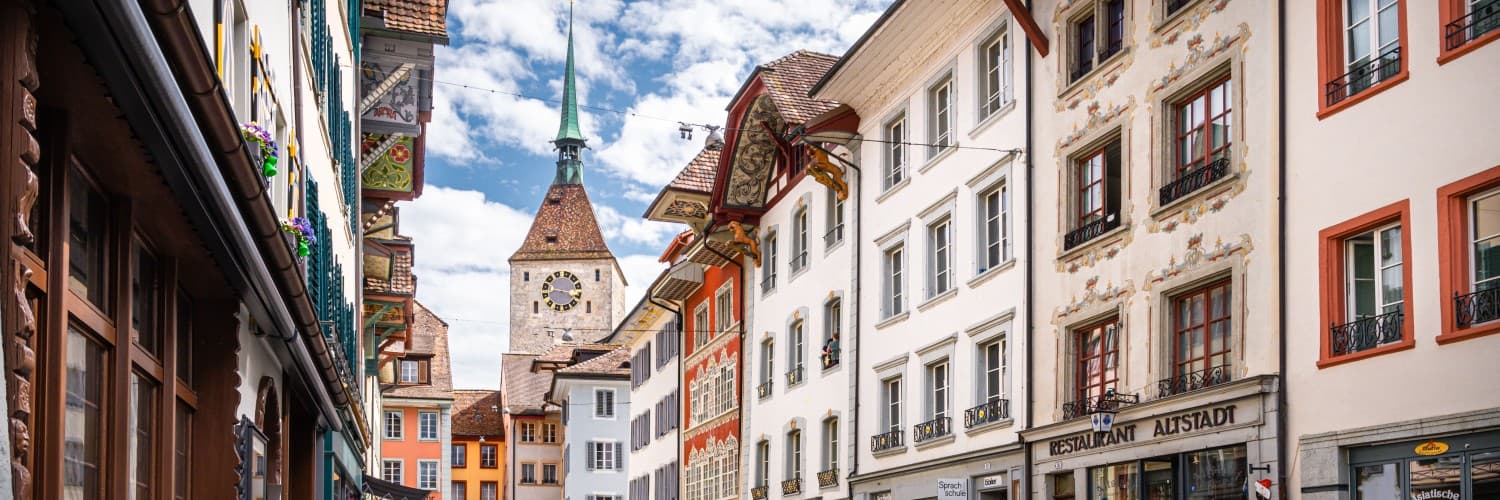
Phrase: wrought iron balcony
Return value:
(794, 376)
(886, 441)
(1365, 333)
(1478, 307)
(1091, 230)
(763, 390)
(1363, 76)
(1192, 381)
(994, 410)
(791, 486)
(1482, 18)
(1093, 404)
(758, 492)
(932, 429)
(1194, 180)
(768, 283)
(834, 235)
(799, 261)
(828, 478)
(830, 360)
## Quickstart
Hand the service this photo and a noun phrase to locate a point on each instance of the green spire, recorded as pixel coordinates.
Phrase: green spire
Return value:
(569, 140)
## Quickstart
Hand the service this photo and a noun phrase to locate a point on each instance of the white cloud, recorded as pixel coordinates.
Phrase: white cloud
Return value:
(640, 271)
(617, 226)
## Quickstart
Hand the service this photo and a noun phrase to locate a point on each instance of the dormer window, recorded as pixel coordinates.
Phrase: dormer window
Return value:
(413, 371)
(552, 239)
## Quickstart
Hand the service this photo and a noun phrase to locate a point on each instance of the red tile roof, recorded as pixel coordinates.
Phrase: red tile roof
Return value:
(525, 390)
(789, 79)
(564, 228)
(402, 281)
(614, 362)
(477, 413)
(429, 335)
(426, 17)
(698, 175)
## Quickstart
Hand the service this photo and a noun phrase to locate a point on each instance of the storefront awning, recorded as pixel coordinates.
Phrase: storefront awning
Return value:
(392, 491)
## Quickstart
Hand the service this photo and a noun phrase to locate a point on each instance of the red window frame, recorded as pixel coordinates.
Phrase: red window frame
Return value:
(1330, 15)
(1208, 153)
(1089, 382)
(1449, 11)
(1084, 183)
(1331, 266)
(1454, 275)
(1203, 324)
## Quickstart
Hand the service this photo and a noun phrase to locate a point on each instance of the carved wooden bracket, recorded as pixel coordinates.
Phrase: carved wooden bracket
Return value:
(826, 172)
(745, 243)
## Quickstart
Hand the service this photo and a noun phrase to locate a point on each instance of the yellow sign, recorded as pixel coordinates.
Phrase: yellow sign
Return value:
(1431, 448)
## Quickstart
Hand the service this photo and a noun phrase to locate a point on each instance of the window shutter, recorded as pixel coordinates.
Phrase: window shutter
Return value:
(619, 457)
(590, 458)
(567, 464)
(423, 370)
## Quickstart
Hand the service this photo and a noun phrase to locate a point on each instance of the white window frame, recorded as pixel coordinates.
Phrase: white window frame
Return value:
(893, 270)
(1378, 280)
(385, 469)
(895, 164)
(528, 432)
(549, 432)
(600, 460)
(604, 410)
(994, 230)
(830, 443)
(1373, 20)
(1473, 240)
(835, 232)
(794, 454)
(704, 332)
(763, 463)
(436, 474)
(768, 270)
(940, 119)
(995, 76)
(400, 422)
(422, 426)
(768, 360)
(939, 390)
(556, 478)
(940, 257)
(799, 260)
(535, 479)
(416, 371)
(724, 316)
(891, 392)
(796, 350)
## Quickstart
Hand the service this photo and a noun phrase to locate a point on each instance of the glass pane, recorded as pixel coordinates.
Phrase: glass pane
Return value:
(185, 339)
(82, 442)
(1390, 247)
(1160, 477)
(1484, 475)
(1440, 477)
(184, 442)
(86, 242)
(1114, 482)
(144, 302)
(1215, 473)
(1359, 42)
(142, 424)
(1361, 254)
(1377, 482)
(1357, 10)
(1389, 26)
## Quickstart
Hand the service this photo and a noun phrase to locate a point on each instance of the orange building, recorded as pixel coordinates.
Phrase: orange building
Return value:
(478, 450)
(417, 400)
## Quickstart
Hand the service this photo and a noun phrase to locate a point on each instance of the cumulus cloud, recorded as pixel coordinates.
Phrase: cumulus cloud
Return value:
(617, 226)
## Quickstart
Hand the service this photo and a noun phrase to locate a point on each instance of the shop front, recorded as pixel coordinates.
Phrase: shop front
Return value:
(1445, 457)
(1212, 444)
(984, 475)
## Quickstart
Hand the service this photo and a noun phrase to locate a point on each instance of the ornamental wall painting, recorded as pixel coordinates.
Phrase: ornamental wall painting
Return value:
(393, 170)
(396, 109)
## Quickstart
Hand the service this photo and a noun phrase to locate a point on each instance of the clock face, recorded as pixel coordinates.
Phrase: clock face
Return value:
(561, 290)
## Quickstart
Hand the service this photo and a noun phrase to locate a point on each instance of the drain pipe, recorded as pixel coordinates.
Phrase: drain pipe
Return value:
(1281, 338)
(739, 409)
(676, 313)
(1029, 294)
(854, 293)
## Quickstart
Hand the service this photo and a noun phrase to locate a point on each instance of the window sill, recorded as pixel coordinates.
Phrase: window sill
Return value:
(795, 273)
(829, 248)
(989, 426)
(1172, 18)
(891, 191)
(981, 278)
(934, 443)
(984, 124)
(937, 299)
(1368, 353)
(1097, 241)
(1352, 100)
(892, 320)
(939, 157)
(829, 370)
(1448, 56)
(1202, 192)
(1451, 336)
(1103, 67)
(891, 451)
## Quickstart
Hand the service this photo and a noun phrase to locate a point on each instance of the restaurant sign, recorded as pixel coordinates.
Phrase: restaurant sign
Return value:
(1171, 425)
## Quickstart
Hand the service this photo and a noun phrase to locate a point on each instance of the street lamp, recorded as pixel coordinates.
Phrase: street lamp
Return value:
(1103, 416)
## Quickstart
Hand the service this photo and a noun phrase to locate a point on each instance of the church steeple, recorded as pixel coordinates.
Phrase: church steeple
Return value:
(569, 141)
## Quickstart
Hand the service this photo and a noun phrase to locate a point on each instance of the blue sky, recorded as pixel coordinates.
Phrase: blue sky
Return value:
(488, 159)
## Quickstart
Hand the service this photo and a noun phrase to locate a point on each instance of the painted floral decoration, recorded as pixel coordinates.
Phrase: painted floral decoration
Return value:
(258, 136)
(303, 230)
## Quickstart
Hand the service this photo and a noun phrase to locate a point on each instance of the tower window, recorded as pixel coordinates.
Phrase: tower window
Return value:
(596, 275)
(526, 276)
(535, 308)
(588, 307)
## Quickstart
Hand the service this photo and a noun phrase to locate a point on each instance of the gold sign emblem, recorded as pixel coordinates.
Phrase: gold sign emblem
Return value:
(1431, 448)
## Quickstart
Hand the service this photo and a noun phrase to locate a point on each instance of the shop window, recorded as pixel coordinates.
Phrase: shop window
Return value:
(1095, 366)
(1114, 482)
(1361, 50)
(1201, 340)
(1095, 34)
(1212, 473)
(1202, 137)
(1469, 255)
(1395, 471)
(1096, 190)
(1365, 285)
(1062, 486)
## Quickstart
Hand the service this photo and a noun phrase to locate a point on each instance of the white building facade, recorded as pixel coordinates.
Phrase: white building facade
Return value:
(596, 426)
(652, 334)
(939, 284)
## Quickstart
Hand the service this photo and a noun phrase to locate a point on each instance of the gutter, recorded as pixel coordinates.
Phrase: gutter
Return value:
(677, 313)
(1282, 452)
(1029, 295)
(275, 274)
(739, 408)
(858, 249)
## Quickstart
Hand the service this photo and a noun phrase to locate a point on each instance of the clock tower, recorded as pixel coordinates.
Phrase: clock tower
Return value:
(564, 279)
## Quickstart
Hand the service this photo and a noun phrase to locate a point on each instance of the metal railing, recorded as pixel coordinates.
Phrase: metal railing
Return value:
(1483, 18)
(993, 410)
(830, 360)
(791, 486)
(1365, 333)
(794, 376)
(932, 429)
(1194, 180)
(1093, 404)
(887, 440)
(799, 261)
(1192, 381)
(1475, 308)
(758, 492)
(1363, 75)
(768, 283)
(828, 478)
(763, 390)
(1091, 230)
(834, 235)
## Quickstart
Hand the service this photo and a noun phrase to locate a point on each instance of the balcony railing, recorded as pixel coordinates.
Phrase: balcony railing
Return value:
(886, 441)
(1194, 180)
(834, 235)
(1192, 381)
(794, 376)
(1363, 76)
(768, 283)
(994, 410)
(828, 478)
(791, 486)
(1093, 404)
(763, 390)
(1091, 230)
(758, 492)
(932, 429)
(1478, 307)
(1365, 333)
(1482, 18)
(799, 261)
(831, 359)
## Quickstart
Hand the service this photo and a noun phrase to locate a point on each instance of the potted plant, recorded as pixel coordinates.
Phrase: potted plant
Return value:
(258, 137)
(301, 229)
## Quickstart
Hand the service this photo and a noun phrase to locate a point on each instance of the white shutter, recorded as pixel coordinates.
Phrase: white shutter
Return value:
(619, 457)
(590, 452)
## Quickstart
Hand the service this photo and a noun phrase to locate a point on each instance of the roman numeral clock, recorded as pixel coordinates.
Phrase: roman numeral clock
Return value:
(561, 291)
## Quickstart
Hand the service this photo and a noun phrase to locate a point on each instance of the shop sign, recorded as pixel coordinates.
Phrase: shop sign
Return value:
(952, 489)
(1431, 448)
(1091, 440)
(1171, 425)
(994, 481)
(1194, 421)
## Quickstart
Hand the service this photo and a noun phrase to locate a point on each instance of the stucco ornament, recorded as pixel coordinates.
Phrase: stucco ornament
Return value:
(754, 157)
(1197, 256)
(1200, 53)
(1093, 294)
(1188, 21)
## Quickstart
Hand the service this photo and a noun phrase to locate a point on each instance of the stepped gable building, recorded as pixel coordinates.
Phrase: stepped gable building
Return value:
(564, 279)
